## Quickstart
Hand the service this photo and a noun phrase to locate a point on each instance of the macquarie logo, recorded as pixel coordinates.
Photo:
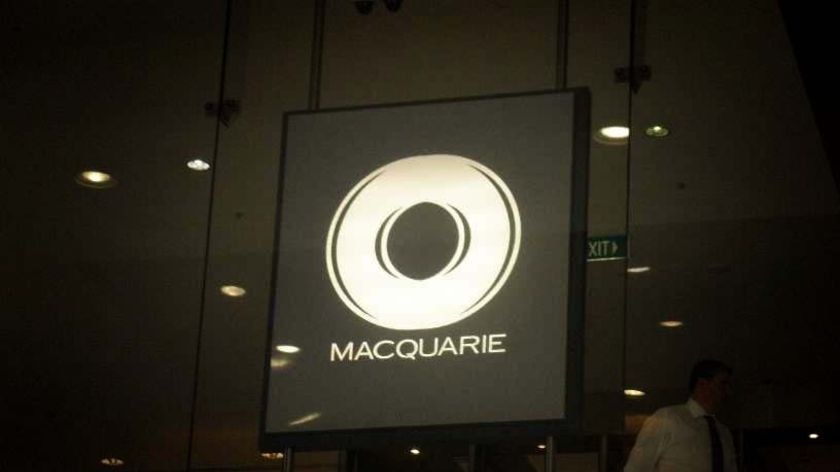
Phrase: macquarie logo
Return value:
(371, 285)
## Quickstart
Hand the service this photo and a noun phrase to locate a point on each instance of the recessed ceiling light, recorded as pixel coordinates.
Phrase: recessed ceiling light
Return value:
(234, 291)
(540, 446)
(612, 135)
(671, 323)
(287, 348)
(198, 165)
(814, 436)
(95, 179)
(638, 270)
(414, 451)
(272, 455)
(633, 393)
(112, 462)
(657, 131)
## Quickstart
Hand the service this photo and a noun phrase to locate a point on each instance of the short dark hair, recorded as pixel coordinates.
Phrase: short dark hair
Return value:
(707, 369)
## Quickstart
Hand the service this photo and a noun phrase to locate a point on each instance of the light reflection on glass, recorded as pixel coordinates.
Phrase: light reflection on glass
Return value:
(305, 419)
(287, 348)
(612, 135)
(95, 179)
(280, 362)
(671, 323)
(272, 455)
(634, 393)
(657, 131)
(112, 462)
(198, 165)
(638, 270)
(615, 132)
(233, 291)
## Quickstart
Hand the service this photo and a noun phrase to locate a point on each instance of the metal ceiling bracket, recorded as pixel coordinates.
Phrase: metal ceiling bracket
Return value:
(633, 75)
(225, 112)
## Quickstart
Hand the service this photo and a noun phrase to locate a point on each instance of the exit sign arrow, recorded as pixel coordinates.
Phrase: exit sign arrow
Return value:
(606, 248)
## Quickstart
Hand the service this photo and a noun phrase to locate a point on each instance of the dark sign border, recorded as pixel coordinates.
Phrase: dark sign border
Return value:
(473, 432)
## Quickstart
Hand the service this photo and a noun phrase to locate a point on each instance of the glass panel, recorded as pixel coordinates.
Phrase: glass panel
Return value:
(736, 214)
(102, 286)
(434, 50)
(597, 45)
(424, 51)
(267, 73)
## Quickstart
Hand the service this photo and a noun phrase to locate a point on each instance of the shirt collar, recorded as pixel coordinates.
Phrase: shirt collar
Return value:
(695, 409)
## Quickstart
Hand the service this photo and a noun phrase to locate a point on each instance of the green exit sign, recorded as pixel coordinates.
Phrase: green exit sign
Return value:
(606, 248)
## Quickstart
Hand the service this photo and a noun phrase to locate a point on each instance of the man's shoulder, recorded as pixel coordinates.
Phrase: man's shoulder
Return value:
(672, 414)
(671, 410)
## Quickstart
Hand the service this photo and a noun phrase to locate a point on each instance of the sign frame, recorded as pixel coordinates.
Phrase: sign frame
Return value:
(472, 432)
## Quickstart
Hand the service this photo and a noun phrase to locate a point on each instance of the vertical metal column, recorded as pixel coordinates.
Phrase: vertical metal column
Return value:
(347, 461)
(206, 262)
(603, 453)
(288, 459)
(317, 55)
(562, 52)
(476, 459)
(314, 103)
(549, 454)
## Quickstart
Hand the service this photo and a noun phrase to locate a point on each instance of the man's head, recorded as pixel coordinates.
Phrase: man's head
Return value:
(709, 384)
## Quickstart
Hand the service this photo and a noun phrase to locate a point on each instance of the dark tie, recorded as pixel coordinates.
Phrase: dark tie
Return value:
(717, 449)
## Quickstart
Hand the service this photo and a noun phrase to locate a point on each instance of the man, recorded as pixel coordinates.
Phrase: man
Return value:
(687, 437)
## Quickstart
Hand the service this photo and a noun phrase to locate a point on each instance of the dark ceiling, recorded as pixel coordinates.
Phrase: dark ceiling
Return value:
(812, 32)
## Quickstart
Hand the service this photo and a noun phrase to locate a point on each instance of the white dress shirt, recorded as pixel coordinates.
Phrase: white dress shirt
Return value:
(676, 439)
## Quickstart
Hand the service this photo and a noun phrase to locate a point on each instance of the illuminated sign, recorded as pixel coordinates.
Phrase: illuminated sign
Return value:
(487, 220)
(428, 271)
(606, 248)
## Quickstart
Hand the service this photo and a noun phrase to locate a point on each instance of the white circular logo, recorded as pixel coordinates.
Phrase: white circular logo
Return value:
(484, 212)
